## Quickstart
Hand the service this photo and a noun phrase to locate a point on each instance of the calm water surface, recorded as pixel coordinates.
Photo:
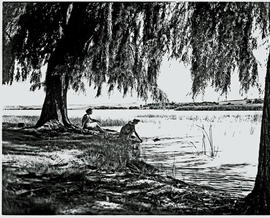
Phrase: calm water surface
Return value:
(178, 149)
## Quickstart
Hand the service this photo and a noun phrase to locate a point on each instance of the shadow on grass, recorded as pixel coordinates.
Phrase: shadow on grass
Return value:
(104, 178)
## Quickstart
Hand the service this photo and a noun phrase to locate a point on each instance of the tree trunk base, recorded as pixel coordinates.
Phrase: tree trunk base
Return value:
(257, 203)
(52, 125)
(55, 125)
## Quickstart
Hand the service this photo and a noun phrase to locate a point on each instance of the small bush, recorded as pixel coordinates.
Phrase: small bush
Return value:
(110, 156)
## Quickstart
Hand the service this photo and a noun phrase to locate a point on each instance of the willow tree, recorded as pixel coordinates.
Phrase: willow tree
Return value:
(114, 43)
(123, 44)
(218, 39)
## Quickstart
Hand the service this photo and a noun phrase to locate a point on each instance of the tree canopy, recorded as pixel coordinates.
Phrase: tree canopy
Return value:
(221, 40)
(124, 44)
(121, 44)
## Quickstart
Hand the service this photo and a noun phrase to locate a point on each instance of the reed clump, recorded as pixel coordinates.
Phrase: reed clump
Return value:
(208, 137)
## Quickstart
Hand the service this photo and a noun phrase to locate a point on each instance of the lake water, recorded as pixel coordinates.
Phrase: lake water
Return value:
(178, 146)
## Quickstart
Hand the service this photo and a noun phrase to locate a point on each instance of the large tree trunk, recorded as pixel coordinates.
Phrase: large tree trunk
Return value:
(55, 103)
(57, 80)
(258, 201)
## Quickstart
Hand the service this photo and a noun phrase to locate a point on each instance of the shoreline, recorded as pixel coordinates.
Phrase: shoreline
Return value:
(237, 105)
(184, 108)
(222, 108)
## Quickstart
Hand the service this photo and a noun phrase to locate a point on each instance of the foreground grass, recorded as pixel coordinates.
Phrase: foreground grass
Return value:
(50, 172)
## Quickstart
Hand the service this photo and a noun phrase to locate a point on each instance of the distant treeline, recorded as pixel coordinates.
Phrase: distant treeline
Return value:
(116, 107)
(173, 105)
(221, 108)
(19, 107)
(245, 104)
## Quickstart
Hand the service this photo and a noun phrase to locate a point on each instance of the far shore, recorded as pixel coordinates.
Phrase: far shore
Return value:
(231, 105)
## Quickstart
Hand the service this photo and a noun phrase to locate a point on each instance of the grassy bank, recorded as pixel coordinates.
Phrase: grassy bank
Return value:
(54, 172)
(32, 120)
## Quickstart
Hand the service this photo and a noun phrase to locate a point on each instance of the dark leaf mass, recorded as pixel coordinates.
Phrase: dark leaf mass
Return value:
(99, 42)
(124, 44)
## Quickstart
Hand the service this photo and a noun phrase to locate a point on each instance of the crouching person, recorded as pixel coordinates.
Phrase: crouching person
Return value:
(90, 123)
(128, 129)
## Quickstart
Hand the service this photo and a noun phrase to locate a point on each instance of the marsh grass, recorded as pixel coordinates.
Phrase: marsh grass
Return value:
(103, 122)
(32, 120)
(170, 117)
(256, 118)
(14, 120)
(113, 122)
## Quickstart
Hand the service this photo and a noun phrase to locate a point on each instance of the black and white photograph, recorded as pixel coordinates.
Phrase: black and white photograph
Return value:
(135, 108)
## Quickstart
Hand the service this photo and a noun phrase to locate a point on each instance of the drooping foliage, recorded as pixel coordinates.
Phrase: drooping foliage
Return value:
(221, 39)
(121, 44)
(135, 52)
(11, 16)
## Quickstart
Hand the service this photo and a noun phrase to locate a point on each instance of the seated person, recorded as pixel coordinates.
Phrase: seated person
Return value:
(90, 123)
(128, 129)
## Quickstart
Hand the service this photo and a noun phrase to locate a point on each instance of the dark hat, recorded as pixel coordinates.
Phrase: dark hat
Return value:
(135, 121)
(89, 110)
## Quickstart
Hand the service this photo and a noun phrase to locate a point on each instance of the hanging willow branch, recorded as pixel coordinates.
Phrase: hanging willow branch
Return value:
(124, 44)
(109, 35)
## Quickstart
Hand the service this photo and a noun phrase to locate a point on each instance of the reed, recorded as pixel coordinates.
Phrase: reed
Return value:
(209, 136)
(174, 166)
